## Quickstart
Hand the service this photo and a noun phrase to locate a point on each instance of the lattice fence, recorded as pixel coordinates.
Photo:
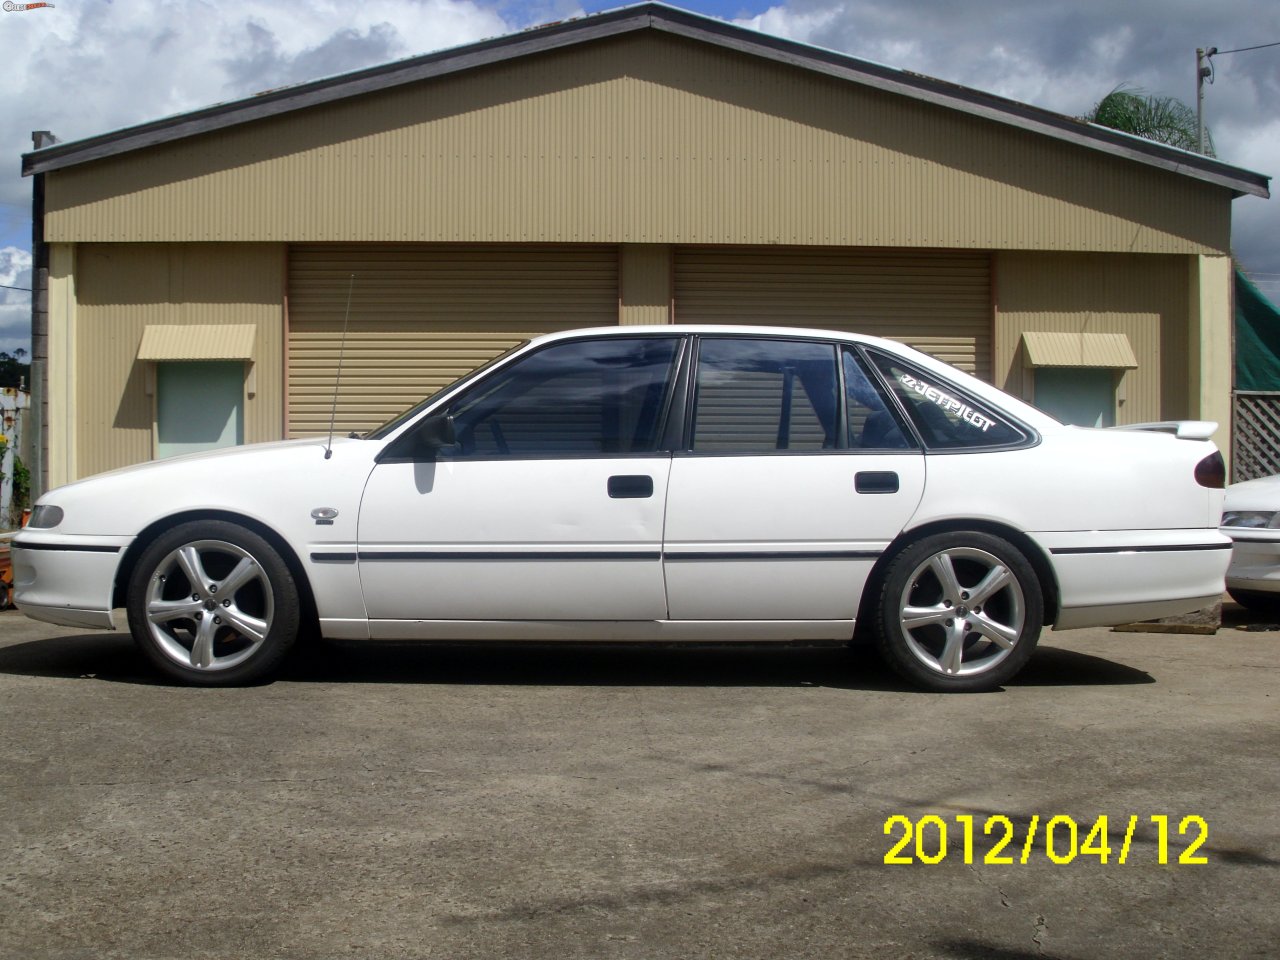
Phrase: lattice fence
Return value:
(1256, 429)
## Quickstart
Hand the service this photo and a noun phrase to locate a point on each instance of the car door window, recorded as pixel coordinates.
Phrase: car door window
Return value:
(589, 397)
(765, 395)
(946, 417)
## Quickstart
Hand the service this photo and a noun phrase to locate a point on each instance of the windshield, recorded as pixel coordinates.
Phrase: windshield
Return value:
(395, 423)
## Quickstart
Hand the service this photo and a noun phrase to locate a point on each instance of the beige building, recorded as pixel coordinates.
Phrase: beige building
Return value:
(640, 166)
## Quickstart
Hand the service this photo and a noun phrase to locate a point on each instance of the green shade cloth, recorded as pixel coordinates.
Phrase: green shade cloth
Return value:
(1257, 338)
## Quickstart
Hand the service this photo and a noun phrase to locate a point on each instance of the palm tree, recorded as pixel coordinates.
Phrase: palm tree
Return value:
(1163, 119)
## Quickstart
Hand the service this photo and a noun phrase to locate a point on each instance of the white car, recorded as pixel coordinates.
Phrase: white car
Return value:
(670, 484)
(1252, 521)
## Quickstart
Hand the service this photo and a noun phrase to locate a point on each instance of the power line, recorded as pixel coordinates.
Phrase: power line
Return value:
(1243, 49)
(7, 287)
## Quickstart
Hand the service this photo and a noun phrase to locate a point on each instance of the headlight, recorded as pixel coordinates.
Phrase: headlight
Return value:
(44, 516)
(1255, 519)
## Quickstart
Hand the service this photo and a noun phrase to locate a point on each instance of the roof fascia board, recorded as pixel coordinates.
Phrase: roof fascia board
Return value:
(664, 19)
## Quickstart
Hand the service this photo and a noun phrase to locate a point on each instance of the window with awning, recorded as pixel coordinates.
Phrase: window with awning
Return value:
(1079, 377)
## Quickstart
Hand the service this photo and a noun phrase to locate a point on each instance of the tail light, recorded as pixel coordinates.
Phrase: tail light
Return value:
(1211, 472)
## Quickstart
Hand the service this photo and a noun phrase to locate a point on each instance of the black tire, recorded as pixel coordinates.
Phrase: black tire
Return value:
(952, 643)
(233, 629)
(1259, 601)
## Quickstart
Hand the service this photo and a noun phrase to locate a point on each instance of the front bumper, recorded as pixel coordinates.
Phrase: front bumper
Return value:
(1255, 560)
(66, 580)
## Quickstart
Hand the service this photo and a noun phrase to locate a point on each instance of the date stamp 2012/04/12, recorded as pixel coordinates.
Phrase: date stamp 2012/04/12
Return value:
(1060, 839)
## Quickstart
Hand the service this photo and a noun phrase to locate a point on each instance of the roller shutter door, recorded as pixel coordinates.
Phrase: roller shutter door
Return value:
(424, 315)
(936, 301)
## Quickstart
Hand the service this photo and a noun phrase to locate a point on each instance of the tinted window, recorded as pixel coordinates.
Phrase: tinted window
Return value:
(873, 423)
(765, 395)
(946, 417)
(584, 397)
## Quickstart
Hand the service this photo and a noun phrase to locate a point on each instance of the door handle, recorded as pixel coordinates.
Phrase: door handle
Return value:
(630, 487)
(876, 481)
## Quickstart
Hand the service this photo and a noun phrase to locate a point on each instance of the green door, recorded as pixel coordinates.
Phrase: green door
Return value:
(199, 406)
(1084, 396)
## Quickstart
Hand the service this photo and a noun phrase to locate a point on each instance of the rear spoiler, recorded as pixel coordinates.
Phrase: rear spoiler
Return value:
(1183, 429)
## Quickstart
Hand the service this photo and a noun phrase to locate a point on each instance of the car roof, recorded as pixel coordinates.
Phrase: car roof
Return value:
(717, 329)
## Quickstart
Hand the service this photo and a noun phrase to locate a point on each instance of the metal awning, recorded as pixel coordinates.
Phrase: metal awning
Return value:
(1110, 350)
(198, 341)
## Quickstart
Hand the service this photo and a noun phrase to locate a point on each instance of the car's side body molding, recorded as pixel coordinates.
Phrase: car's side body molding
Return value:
(27, 544)
(629, 631)
(1147, 548)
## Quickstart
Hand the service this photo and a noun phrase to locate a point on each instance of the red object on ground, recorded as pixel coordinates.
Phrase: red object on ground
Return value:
(6, 577)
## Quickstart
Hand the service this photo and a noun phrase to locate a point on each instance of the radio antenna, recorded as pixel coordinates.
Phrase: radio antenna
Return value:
(342, 349)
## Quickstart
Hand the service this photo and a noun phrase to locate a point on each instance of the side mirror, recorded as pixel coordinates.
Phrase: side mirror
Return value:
(421, 442)
(436, 431)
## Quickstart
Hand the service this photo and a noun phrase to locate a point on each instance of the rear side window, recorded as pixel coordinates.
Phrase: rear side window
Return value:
(756, 396)
(946, 417)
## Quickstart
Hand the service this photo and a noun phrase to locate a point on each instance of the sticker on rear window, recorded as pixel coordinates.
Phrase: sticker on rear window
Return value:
(947, 402)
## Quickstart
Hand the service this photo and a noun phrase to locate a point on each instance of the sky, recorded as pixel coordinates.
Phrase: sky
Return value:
(84, 67)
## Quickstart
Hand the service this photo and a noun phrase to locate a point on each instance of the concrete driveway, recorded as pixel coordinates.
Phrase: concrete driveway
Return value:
(563, 803)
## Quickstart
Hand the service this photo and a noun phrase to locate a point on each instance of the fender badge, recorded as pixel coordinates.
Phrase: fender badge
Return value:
(323, 516)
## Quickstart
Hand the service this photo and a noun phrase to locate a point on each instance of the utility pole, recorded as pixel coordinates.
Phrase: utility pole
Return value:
(1203, 70)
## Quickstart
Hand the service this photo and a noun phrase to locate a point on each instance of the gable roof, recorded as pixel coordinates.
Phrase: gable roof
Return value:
(628, 20)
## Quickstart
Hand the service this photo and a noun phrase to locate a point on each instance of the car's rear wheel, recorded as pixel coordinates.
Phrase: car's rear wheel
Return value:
(959, 612)
(212, 603)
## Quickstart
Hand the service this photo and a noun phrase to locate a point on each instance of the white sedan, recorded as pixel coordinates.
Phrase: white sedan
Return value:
(669, 484)
(1252, 521)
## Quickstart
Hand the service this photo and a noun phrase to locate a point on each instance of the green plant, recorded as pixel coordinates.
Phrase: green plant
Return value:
(1163, 119)
(21, 499)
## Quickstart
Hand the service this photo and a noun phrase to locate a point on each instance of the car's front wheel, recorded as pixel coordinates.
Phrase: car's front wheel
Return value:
(1259, 601)
(212, 603)
(959, 612)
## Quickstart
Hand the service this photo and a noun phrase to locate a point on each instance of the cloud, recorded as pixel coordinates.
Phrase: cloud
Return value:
(15, 305)
(791, 25)
(263, 59)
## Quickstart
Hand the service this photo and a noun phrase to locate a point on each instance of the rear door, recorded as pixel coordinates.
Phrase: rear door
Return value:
(796, 476)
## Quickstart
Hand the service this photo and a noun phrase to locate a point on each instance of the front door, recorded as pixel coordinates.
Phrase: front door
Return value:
(797, 476)
(549, 504)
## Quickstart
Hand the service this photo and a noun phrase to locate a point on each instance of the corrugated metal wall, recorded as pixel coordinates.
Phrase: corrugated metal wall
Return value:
(121, 288)
(936, 301)
(1147, 298)
(422, 316)
(643, 139)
